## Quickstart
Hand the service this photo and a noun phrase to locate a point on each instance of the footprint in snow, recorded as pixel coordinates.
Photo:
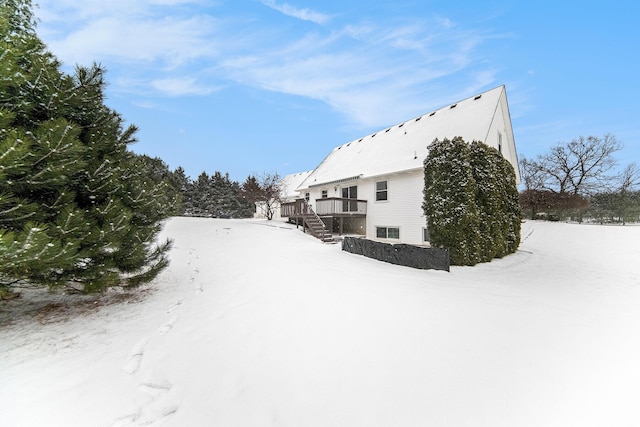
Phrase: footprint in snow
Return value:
(166, 327)
(132, 364)
(173, 306)
(155, 388)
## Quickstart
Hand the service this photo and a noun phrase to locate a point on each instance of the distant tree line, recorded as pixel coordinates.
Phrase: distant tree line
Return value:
(577, 180)
(216, 195)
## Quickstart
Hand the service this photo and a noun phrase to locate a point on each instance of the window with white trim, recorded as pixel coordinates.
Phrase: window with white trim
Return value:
(381, 191)
(388, 232)
(324, 194)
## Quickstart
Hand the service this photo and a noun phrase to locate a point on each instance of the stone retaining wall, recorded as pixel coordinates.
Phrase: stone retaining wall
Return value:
(399, 254)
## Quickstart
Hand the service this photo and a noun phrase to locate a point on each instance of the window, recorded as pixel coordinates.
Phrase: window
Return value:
(499, 142)
(425, 235)
(324, 194)
(387, 232)
(350, 193)
(381, 191)
(306, 197)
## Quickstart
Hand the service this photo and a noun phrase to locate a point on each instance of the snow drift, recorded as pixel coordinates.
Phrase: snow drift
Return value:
(257, 324)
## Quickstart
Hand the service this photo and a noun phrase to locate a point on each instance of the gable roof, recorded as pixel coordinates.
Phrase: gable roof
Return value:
(403, 147)
(289, 184)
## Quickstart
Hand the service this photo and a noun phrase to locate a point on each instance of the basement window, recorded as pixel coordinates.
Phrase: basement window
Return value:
(388, 232)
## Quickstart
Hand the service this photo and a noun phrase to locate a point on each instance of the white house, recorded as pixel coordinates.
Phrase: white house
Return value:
(373, 185)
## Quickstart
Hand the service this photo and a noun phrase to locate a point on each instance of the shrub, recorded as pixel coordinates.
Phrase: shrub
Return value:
(471, 201)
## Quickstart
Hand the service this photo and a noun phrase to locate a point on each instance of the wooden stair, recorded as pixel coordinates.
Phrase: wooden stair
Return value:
(316, 226)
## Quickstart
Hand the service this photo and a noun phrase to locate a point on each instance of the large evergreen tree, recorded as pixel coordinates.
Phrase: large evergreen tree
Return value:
(160, 177)
(75, 207)
(511, 209)
(180, 183)
(488, 200)
(201, 196)
(471, 201)
(497, 200)
(449, 193)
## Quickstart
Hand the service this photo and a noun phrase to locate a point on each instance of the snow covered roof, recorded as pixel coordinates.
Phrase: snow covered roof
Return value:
(290, 183)
(403, 147)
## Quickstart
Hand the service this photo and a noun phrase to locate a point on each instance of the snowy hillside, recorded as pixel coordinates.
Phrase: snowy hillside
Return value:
(258, 324)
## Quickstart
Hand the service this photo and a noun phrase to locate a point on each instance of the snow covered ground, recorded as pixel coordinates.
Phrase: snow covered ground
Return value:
(258, 324)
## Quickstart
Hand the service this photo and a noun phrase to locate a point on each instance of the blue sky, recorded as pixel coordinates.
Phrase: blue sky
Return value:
(253, 86)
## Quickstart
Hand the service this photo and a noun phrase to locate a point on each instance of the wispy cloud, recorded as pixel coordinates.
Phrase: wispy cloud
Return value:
(185, 86)
(142, 42)
(171, 42)
(371, 72)
(294, 12)
(363, 71)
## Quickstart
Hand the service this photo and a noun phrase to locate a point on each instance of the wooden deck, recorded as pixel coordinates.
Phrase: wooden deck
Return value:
(328, 207)
(332, 214)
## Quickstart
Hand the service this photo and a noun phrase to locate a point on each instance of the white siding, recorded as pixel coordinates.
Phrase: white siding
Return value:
(403, 209)
(501, 125)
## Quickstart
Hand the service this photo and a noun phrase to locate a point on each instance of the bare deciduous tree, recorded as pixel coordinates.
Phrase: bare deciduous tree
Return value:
(265, 190)
(580, 166)
(626, 182)
(531, 174)
(629, 178)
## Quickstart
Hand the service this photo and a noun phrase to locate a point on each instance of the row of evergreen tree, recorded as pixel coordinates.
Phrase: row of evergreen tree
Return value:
(216, 196)
(213, 196)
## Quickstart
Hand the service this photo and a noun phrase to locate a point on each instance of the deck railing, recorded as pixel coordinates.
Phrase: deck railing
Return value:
(325, 207)
(288, 209)
(340, 206)
(293, 209)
